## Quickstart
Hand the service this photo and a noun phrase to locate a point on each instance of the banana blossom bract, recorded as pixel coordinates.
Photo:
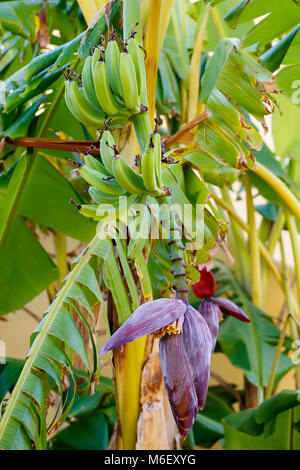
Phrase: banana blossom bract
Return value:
(184, 349)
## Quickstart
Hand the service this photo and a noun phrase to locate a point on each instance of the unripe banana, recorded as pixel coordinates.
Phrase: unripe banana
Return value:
(102, 198)
(129, 82)
(102, 88)
(94, 164)
(126, 177)
(98, 212)
(88, 82)
(112, 60)
(80, 107)
(69, 102)
(138, 59)
(107, 153)
(149, 169)
(97, 179)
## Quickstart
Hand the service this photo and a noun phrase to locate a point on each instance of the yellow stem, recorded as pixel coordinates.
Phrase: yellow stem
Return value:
(218, 24)
(152, 44)
(292, 309)
(61, 255)
(292, 227)
(276, 358)
(194, 76)
(282, 190)
(264, 252)
(272, 242)
(166, 12)
(128, 361)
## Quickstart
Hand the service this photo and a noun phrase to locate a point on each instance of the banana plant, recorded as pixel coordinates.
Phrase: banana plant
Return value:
(158, 106)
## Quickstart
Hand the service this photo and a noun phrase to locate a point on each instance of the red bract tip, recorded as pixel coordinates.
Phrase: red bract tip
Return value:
(206, 285)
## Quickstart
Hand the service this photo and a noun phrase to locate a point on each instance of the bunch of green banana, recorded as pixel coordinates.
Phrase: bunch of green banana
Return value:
(112, 84)
(127, 178)
(91, 115)
(95, 174)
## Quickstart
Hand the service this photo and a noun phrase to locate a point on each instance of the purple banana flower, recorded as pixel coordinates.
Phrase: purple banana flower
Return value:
(212, 307)
(184, 350)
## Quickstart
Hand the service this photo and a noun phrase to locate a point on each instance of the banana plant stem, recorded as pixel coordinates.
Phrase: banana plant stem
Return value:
(128, 362)
(281, 189)
(165, 19)
(152, 48)
(194, 75)
(290, 306)
(132, 16)
(253, 245)
(276, 358)
(263, 250)
(292, 227)
(61, 254)
(242, 257)
(217, 22)
(143, 129)
(253, 241)
(272, 242)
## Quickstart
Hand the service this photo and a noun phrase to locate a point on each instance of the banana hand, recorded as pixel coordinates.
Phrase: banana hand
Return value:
(99, 180)
(126, 177)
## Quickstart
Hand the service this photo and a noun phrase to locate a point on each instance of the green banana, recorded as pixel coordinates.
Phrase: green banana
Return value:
(94, 164)
(138, 60)
(102, 88)
(99, 197)
(96, 56)
(98, 212)
(88, 82)
(99, 180)
(112, 60)
(130, 92)
(149, 168)
(80, 107)
(107, 153)
(126, 177)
